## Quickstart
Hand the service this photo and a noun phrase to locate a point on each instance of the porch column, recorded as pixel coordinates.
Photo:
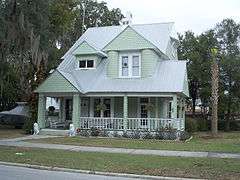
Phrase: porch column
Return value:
(60, 109)
(41, 111)
(174, 110)
(183, 113)
(125, 112)
(174, 107)
(156, 107)
(76, 113)
(64, 109)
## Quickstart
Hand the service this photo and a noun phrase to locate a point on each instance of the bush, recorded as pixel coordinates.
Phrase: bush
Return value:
(94, 131)
(28, 125)
(147, 135)
(136, 134)
(126, 135)
(191, 125)
(184, 135)
(84, 133)
(104, 133)
(115, 134)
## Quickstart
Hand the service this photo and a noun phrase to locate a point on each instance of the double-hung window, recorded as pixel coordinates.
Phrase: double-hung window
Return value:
(130, 65)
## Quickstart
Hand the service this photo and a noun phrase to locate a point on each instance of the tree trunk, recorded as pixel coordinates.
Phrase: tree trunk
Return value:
(214, 72)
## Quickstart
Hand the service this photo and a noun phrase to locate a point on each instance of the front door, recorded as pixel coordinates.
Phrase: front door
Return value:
(144, 112)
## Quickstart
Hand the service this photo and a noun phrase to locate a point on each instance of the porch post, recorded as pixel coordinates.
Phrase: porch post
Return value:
(76, 111)
(64, 109)
(41, 111)
(125, 112)
(174, 111)
(60, 109)
(183, 113)
(156, 107)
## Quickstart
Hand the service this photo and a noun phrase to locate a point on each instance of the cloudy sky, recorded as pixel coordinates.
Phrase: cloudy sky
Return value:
(195, 15)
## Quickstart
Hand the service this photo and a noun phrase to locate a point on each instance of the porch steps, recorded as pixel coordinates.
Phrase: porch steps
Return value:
(53, 132)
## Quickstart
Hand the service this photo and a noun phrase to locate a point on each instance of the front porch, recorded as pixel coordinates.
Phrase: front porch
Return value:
(114, 112)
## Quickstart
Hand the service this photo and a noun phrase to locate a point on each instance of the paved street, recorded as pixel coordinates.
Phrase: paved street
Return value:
(21, 173)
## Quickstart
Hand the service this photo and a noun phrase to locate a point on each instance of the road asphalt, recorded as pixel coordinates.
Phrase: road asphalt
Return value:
(22, 173)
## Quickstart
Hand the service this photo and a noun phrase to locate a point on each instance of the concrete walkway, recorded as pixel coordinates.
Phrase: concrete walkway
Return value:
(19, 142)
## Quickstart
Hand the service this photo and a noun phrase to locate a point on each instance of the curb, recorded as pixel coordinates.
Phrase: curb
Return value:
(124, 175)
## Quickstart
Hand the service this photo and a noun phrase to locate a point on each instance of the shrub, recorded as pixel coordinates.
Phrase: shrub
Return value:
(94, 131)
(126, 135)
(84, 133)
(159, 134)
(28, 125)
(147, 135)
(136, 134)
(104, 133)
(115, 134)
(184, 135)
(191, 125)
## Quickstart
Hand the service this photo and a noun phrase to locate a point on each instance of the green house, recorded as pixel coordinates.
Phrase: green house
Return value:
(119, 78)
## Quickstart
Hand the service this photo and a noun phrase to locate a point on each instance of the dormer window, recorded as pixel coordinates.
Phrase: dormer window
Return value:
(129, 65)
(86, 64)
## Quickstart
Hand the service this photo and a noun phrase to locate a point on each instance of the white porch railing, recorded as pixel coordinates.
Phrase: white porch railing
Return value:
(150, 124)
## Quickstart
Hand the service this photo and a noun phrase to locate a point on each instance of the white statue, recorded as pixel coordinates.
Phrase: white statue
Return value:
(71, 130)
(35, 128)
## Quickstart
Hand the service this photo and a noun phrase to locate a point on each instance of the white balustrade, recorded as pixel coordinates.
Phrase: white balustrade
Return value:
(150, 124)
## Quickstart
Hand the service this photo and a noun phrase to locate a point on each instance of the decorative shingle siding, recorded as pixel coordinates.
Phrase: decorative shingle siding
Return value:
(113, 64)
(84, 48)
(149, 60)
(56, 83)
(129, 40)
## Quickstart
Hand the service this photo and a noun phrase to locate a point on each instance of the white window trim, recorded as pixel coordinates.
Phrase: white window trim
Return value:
(130, 63)
(86, 68)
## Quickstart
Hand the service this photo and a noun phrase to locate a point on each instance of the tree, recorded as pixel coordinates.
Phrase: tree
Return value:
(214, 97)
(228, 34)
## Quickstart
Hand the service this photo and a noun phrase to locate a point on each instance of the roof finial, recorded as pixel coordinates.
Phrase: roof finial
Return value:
(127, 19)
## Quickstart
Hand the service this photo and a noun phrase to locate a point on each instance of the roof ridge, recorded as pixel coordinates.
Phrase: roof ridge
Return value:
(170, 22)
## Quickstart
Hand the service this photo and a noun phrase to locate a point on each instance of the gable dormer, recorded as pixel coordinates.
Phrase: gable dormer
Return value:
(87, 57)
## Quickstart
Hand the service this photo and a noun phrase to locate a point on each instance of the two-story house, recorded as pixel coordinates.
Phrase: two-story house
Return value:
(125, 77)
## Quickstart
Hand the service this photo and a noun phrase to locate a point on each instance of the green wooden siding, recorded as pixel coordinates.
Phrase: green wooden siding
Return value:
(56, 83)
(129, 39)
(84, 48)
(113, 64)
(149, 59)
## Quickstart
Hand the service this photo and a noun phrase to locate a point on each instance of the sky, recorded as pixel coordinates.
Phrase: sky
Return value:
(195, 15)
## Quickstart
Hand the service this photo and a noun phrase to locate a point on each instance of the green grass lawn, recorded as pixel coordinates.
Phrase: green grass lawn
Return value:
(210, 168)
(226, 142)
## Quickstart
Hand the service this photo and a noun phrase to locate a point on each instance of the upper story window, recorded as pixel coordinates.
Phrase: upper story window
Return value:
(86, 64)
(130, 65)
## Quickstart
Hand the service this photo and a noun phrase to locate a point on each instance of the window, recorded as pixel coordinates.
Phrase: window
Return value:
(86, 64)
(124, 65)
(130, 65)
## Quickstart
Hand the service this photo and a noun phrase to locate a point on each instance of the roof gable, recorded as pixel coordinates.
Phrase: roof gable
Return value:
(84, 48)
(56, 83)
(128, 39)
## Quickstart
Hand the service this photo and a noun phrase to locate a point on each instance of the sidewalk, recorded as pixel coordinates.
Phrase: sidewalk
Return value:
(19, 142)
